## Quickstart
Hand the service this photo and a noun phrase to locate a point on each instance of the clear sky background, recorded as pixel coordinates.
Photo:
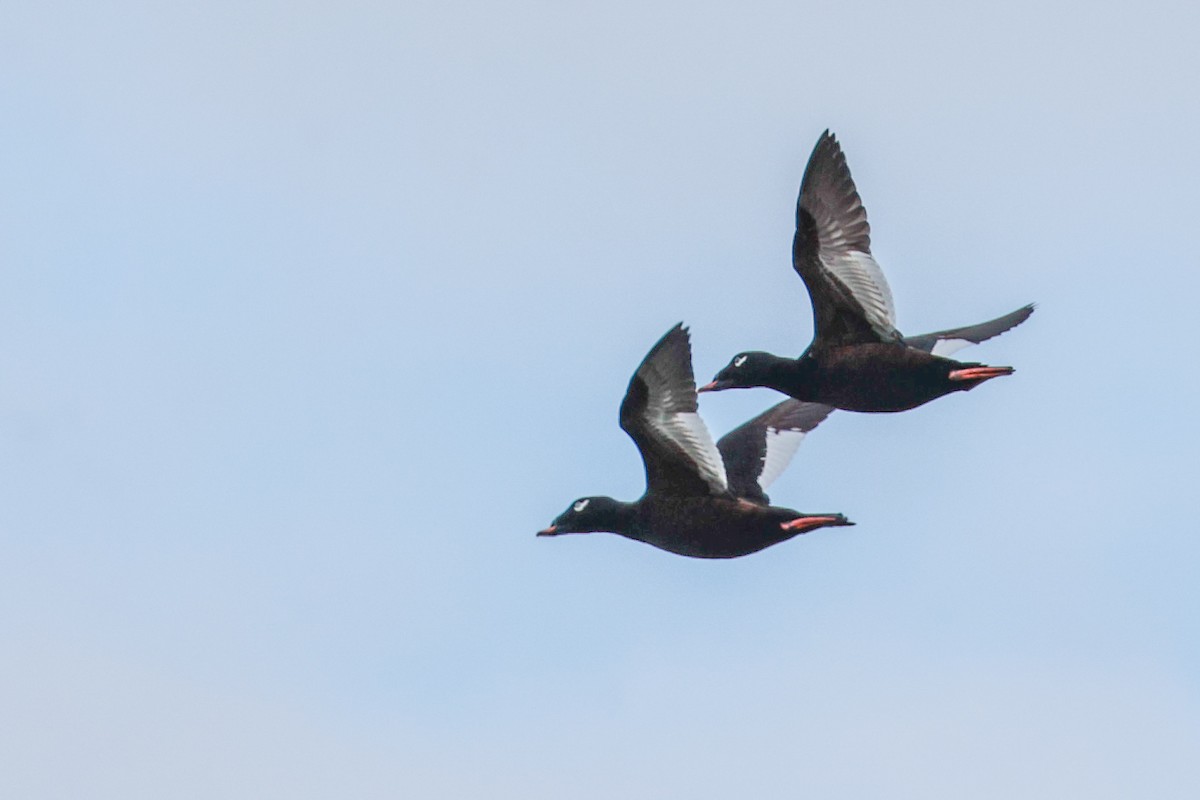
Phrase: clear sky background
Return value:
(312, 314)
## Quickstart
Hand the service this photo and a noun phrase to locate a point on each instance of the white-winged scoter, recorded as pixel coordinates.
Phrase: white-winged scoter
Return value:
(702, 500)
(858, 360)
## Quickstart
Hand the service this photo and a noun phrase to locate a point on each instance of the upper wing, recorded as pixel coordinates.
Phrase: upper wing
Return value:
(757, 452)
(945, 343)
(851, 300)
(659, 414)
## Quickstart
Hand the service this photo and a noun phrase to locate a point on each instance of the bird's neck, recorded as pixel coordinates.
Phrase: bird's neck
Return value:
(619, 518)
(785, 374)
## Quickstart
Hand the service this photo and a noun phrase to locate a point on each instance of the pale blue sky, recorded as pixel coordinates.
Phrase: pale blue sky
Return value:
(312, 314)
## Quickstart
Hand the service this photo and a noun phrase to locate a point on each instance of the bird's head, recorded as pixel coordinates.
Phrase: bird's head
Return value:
(744, 371)
(585, 515)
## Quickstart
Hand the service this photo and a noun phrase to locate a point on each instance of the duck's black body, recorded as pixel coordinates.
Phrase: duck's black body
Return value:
(858, 360)
(873, 377)
(703, 527)
(702, 500)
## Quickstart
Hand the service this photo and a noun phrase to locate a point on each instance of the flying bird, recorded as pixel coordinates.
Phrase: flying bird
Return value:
(858, 360)
(702, 499)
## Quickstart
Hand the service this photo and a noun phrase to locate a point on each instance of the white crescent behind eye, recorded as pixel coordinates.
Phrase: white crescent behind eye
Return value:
(580, 505)
(737, 362)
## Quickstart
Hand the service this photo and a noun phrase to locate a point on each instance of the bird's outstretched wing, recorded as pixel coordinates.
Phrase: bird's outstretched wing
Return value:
(659, 413)
(946, 343)
(852, 303)
(756, 452)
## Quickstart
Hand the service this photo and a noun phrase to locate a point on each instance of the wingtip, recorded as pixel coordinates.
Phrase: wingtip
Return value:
(1023, 313)
(683, 330)
(676, 330)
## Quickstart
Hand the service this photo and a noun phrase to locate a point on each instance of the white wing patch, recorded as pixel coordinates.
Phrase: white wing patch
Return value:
(781, 446)
(670, 415)
(859, 272)
(947, 347)
(691, 434)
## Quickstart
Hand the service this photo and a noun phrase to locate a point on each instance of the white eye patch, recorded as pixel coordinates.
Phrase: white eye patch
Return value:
(580, 505)
(737, 362)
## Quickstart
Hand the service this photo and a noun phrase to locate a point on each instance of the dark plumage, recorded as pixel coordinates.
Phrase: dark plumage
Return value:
(858, 360)
(702, 500)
